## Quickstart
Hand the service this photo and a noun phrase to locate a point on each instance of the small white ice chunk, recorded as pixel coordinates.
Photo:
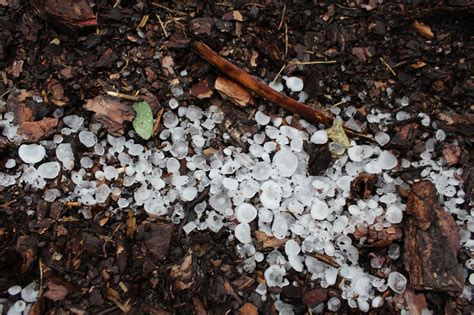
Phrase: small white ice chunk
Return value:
(261, 118)
(17, 309)
(394, 215)
(49, 170)
(31, 153)
(279, 227)
(245, 213)
(14, 290)
(319, 137)
(242, 233)
(295, 84)
(285, 162)
(387, 160)
(382, 138)
(319, 210)
(270, 195)
(30, 292)
(275, 276)
(87, 138)
(397, 282)
(188, 193)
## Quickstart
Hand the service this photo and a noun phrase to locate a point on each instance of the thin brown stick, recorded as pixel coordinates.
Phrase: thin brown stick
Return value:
(312, 114)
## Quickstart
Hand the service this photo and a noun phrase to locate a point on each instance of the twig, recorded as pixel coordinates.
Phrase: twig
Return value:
(260, 88)
(278, 74)
(320, 62)
(162, 26)
(282, 17)
(388, 66)
(286, 40)
(124, 96)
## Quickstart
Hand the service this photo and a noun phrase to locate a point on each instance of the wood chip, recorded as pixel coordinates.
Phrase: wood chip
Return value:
(248, 309)
(33, 131)
(110, 112)
(233, 91)
(423, 29)
(431, 243)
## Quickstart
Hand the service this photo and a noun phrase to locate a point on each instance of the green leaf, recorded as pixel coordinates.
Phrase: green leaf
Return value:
(143, 121)
(337, 134)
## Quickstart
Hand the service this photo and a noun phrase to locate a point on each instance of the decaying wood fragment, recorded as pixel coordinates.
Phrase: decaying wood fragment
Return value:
(312, 114)
(431, 243)
(236, 93)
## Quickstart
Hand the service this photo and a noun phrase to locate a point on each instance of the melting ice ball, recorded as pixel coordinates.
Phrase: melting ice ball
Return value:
(246, 213)
(271, 194)
(397, 282)
(295, 84)
(31, 153)
(285, 162)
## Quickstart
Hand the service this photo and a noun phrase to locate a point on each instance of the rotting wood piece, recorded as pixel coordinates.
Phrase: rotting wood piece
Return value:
(312, 114)
(431, 243)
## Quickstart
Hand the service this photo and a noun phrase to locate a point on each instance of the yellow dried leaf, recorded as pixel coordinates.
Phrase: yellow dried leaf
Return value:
(337, 134)
(418, 64)
(423, 29)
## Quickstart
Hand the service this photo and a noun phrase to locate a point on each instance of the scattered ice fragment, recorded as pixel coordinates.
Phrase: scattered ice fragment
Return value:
(262, 171)
(373, 167)
(11, 163)
(242, 233)
(220, 202)
(356, 153)
(295, 84)
(292, 248)
(30, 292)
(270, 195)
(73, 121)
(245, 213)
(87, 138)
(230, 183)
(188, 193)
(261, 118)
(51, 195)
(110, 172)
(65, 155)
(17, 308)
(285, 162)
(173, 103)
(31, 153)
(49, 170)
(319, 210)
(277, 86)
(319, 137)
(14, 290)
(397, 282)
(440, 135)
(279, 227)
(179, 149)
(387, 160)
(394, 215)
(382, 138)
(275, 276)
(334, 304)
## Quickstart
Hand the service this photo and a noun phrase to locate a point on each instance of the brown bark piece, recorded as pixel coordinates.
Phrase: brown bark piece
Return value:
(71, 13)
(33, 131)
(110, 112)
(248, 309)
(431, 243)
(235, 92)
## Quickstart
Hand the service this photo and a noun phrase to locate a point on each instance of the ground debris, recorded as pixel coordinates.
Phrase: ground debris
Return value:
(34, 131)
(431, 243)
(233, 91)
(110, 112)
(73, 14)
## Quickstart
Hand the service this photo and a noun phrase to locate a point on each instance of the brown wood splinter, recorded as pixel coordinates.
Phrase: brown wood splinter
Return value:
(312, 114)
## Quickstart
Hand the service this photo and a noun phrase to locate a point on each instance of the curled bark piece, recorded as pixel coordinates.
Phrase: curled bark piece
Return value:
(260, 88)
(431, 243)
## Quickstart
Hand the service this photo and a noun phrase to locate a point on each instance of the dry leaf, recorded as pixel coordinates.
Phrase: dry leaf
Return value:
(418, 64)
(337, 134)
(33, 131)
(233, 91)
(423, 29)
(248, 309)
(110, 112)
(201, 90)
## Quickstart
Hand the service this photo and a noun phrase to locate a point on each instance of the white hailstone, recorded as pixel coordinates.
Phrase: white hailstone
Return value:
(86, 162)
(31, 153)
(319, 210)
(170, 120)
(173, 103)
(279, 227)
(295, 84)
(361, 286)
(110, 172)
(387, 160)
(188, 193)
(102, 193)
(262, 171)
(14, 290)
(65, 155)
(344, 182)
(49, 170)
(198, 141)
(333, 304)
(394, 215)
(179, 149)
(356, 153)
(440, 135)
(285, 162)
(51, 194)
(73, 121)
(382, 138)
(193, 113)
(319, 137)
(245, 213)
(30, 293)
(471, 278)
(261, 118)
(220, 202)
(270, 195)
(242, 233)
(373, 168)
(230, 183)
(17, 309)
(11, 163)
(292, 248)
(277, 86)
(230, 167)
(249, 188)
(296, 263)
(87, 138)
(340, 224)
(397, 282)
(275, 276)
(122, 202)
(377, 302)
(189, 227)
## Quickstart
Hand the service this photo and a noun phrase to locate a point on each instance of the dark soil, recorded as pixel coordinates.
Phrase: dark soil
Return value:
(131, 262)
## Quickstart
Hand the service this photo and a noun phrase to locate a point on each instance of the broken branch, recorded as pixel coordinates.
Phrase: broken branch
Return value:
(260, 88)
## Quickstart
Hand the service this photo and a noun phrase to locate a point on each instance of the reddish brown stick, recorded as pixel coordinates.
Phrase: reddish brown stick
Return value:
(260, 88)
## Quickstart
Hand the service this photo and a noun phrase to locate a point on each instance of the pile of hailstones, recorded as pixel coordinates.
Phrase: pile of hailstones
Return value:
(268, 184)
